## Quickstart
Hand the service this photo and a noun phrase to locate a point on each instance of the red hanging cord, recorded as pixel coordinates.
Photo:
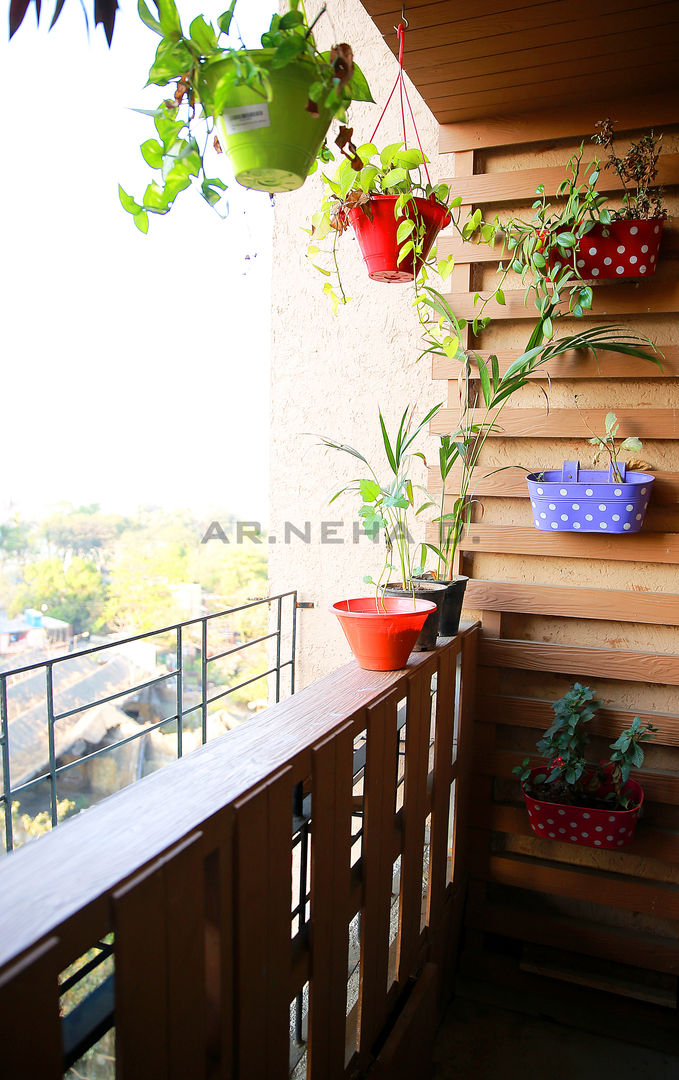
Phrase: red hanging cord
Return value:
(403, 90)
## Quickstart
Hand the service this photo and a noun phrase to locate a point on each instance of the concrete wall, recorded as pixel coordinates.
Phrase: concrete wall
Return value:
(329, 375)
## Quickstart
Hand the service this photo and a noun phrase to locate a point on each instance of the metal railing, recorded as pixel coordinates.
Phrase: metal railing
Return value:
(192, 634)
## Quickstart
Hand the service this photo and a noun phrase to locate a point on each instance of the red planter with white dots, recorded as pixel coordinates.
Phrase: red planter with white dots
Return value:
(610, 829)
(623, 249)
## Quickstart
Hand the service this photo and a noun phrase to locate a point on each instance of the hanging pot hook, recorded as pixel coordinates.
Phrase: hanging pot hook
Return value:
(404, 21)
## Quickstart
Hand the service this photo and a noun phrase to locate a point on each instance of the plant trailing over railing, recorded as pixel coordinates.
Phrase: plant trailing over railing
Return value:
(202, 85)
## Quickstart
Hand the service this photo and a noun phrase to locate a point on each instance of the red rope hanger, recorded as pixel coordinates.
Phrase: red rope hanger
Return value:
(403, 92)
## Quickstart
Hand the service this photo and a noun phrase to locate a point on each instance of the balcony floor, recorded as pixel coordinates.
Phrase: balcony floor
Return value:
(483, 1041)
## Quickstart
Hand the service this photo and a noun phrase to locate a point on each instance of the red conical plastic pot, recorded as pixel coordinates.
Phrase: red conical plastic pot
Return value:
(377, 238)
(381, 633)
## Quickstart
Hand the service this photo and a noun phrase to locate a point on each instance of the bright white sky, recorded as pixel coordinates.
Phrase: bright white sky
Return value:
(134, 368)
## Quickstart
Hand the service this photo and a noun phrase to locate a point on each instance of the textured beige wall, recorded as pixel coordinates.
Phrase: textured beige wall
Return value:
(330, 374)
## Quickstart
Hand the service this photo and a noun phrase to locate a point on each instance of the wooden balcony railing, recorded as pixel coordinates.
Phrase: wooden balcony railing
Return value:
(192, 872)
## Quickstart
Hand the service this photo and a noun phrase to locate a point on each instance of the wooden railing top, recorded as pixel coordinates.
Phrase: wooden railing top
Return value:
(48, 881)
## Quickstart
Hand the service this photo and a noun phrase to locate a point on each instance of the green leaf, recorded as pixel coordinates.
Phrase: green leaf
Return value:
(369, 489)
(484, 379)
(566, 239)
(393, 177)
(632, 444)
(409, 159)
(287, 51)
(405, 250)
(141, 220)
(169, 19)
(387, 155)
(203, 35)
(358, 87)
(173, 59)
(148, 19)
(500, 297)
(290, 19)
(404, 230)
(152, 153)
(224, 20)
(127, 201)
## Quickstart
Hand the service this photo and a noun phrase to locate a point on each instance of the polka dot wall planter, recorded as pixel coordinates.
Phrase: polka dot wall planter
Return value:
(623, 249)
(610, 829)
(572, 499)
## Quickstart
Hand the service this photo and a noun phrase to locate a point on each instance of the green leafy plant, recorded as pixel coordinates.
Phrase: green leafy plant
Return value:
(605, 444)
(637, 169)
(542, 249)
(184, 123)
(464, 446)
(387, 504)
(363, 172)
(568, 776)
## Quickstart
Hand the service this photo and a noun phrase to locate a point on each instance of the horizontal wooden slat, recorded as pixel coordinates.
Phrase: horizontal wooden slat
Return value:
(661, 547)
(556, 41)
(538, 714)
(627, 666)
(610, 943)
(516, 186)
(602, 83)
(519, 82)
(647, 297)
(647, 423)
(511, 484)
(577, 364)
(573, 119)
(569, 602)
(612, 890)
(658, 787)
(650, 843)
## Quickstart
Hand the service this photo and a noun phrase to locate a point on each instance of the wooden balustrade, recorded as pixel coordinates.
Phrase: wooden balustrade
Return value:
(191, 868)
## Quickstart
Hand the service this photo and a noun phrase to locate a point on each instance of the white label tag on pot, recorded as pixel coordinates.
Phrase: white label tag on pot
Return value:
(246, 118)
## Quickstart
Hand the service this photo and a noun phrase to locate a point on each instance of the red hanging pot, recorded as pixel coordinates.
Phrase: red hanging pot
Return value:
(381, 634)
(610, 829)
(376, 234)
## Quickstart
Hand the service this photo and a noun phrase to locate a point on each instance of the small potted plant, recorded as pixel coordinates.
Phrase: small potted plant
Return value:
(612, 500)
(626, 243)
(382, 630)
(575, 800)
(269, 109)
(395, 213)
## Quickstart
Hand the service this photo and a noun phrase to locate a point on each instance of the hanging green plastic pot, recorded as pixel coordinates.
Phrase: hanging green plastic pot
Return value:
(271, 144)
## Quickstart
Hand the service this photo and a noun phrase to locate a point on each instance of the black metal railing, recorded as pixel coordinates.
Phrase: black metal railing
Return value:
(186, 679)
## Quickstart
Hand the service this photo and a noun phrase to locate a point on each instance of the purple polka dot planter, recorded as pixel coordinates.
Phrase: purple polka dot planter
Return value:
(623, 249)
(609, 829)
(572, 499)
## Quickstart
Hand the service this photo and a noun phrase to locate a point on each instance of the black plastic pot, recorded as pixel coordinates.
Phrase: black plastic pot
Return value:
(451, 604)
(424, 590)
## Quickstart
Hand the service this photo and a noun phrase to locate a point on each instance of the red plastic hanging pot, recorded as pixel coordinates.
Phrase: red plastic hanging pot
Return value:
(376, 234)
(381, 633)
(610, 829)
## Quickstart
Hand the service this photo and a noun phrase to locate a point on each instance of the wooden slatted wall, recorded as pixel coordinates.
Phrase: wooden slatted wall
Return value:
(557, 608)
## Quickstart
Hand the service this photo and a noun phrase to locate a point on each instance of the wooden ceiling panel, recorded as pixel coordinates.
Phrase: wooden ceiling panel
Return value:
(469, 59)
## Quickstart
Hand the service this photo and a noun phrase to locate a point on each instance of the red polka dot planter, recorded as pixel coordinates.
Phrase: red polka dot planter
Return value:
(623, 249)
(609, 829)
(572, 499)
